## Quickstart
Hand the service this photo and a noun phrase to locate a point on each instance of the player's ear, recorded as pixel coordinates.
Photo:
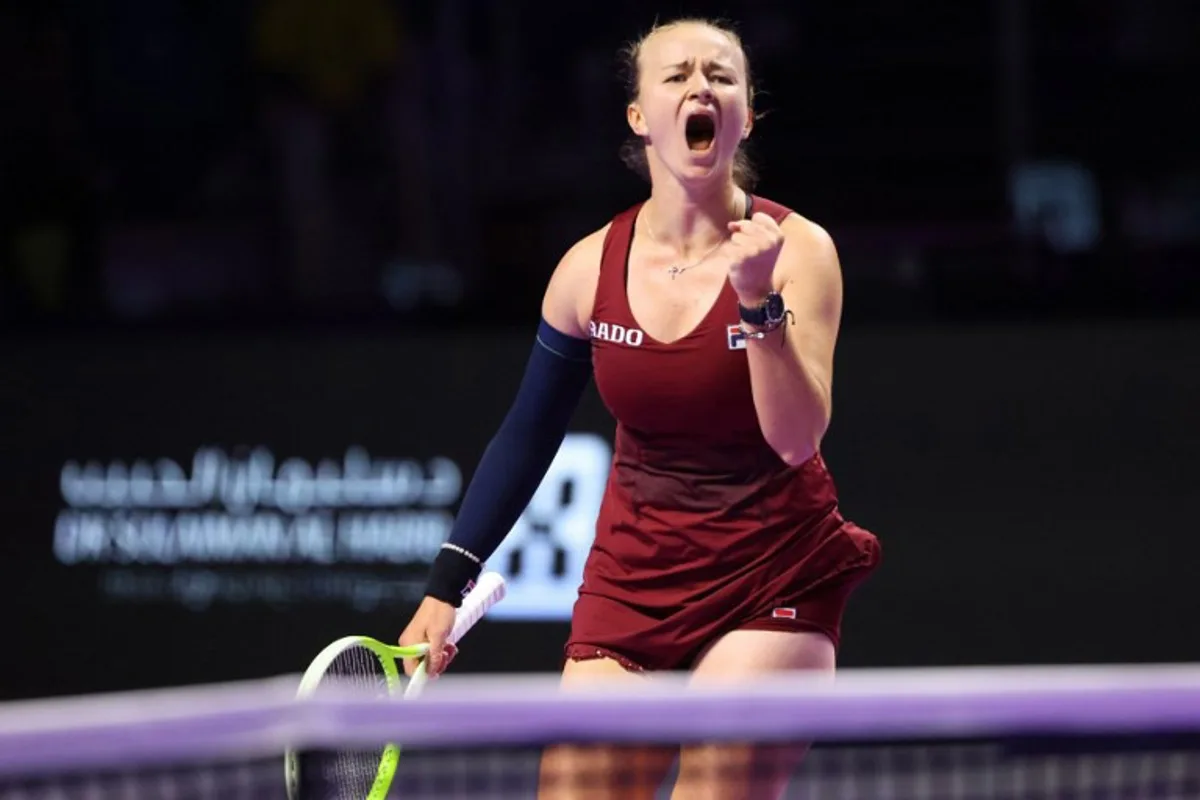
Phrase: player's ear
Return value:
(636, 120)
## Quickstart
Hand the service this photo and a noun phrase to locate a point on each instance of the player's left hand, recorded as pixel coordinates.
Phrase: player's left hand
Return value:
(752, 250)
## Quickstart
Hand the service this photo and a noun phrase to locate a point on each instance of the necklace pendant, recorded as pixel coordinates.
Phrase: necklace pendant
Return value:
(673, 271)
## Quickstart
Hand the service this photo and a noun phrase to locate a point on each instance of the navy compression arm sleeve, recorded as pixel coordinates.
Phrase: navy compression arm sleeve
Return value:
(515, 460)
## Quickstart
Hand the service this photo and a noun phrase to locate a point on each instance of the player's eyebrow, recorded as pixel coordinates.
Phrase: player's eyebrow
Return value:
(710, 63)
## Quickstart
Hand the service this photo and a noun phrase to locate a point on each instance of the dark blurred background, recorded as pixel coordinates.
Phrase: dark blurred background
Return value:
(269, 273)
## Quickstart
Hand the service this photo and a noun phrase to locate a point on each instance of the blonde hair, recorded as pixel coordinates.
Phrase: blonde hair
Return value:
(633, 151)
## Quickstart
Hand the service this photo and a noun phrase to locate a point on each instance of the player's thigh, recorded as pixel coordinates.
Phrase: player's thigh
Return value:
(743, 654)
(591, 673)
(750, 771)
(600, 771)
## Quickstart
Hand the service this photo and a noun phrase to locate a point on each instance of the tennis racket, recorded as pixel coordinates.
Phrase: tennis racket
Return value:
(363, 662)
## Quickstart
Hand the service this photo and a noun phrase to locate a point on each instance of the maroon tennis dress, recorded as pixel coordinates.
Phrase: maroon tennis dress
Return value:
(703, 529)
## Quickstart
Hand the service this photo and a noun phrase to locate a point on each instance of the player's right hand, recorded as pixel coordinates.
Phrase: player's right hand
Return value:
(432, 623)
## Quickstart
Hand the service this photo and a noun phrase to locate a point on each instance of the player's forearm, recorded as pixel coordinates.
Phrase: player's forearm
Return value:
(792, 404)
(515, 461)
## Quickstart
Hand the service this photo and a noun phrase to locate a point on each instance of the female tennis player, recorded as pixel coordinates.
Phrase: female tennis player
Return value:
(708, 317)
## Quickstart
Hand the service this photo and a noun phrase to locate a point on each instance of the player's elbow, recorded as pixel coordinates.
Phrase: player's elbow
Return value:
(796, 454)
(796, 449)
(802, 442)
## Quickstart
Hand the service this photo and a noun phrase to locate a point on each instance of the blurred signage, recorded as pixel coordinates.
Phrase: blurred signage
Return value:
(247, 526)
(542, 557)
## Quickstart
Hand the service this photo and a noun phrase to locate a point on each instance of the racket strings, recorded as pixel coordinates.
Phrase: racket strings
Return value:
(361, 663)
(350, 774)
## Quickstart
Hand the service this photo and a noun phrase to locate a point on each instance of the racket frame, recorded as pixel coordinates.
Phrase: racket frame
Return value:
(489, 590)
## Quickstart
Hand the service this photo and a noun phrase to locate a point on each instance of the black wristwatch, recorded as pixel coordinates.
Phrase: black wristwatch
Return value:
(769, 314)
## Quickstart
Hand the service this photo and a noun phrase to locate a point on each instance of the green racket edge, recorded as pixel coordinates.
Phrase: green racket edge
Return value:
(387, 655)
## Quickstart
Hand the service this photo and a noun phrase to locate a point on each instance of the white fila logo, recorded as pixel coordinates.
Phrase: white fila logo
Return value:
(617, 334)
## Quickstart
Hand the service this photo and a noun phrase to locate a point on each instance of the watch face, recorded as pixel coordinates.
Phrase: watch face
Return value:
(774, 307)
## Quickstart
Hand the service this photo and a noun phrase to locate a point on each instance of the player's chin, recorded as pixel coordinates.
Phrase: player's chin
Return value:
(702, 166)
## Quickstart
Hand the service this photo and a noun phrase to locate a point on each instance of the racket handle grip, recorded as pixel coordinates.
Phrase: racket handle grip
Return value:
(488, 591)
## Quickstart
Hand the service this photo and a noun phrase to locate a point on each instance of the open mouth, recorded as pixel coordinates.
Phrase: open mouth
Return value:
(701, 131)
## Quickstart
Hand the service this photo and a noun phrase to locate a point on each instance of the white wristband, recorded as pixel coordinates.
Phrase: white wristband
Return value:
(461, 551)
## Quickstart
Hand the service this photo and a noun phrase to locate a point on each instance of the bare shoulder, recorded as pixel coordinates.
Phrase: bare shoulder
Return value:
(567, 304)
(809, 253)
(808, 236)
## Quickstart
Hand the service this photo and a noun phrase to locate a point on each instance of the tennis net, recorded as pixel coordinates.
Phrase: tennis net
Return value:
(997, 733)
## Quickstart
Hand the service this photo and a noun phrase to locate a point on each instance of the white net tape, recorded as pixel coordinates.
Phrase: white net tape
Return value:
(1113, 732)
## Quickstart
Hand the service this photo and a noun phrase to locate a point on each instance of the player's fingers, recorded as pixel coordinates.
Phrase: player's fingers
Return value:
(435, 659)
(407, 639)
(760, 225)
(448, 654)
(766, 222)
(410, 665)
(741, 241)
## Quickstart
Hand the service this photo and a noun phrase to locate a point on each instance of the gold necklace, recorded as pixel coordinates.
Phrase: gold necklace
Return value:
(675, 269)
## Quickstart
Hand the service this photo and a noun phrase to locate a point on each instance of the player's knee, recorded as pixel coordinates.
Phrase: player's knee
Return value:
(745, 772)
(603, 772)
